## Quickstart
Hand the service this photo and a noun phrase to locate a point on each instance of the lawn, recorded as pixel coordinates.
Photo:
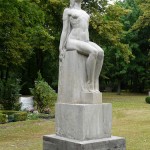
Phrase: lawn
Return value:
(131, 119)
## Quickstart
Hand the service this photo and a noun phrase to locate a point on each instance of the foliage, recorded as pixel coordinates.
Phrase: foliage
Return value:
(43, 94)
(3, 118)
(30, 32)
(32, 116)
(20, 116)
(45, 45)
(14, 115)
(22, 33)
(8, 112)
(137, 35)
(9, 93)
(44, 116)
(147, 99)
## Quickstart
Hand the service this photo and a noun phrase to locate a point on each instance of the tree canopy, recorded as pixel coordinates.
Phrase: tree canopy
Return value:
(30, 32)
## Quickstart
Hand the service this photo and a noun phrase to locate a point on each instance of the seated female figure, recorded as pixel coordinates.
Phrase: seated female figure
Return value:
(75, 35)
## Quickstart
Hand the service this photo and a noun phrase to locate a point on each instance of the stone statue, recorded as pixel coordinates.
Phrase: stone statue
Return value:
(82, 120)
(75, 36)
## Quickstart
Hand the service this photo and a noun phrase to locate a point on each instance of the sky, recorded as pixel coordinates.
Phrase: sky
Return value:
(112, 1)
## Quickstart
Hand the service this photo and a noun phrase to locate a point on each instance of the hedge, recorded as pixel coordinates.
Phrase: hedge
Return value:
(20, 116)
(3, 118)
(14, 115)
(147, 99)
(8, 112)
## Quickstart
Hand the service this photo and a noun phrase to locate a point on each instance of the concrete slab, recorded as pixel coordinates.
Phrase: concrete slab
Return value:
(54, 142)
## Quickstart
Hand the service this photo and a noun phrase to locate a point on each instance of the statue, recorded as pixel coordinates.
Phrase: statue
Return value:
(82, 120)
(75, 36)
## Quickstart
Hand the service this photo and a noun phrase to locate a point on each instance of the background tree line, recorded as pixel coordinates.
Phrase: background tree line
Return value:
(30, 33)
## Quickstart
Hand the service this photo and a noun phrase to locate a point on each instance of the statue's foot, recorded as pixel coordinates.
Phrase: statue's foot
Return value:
(96, 91)
(90, 87)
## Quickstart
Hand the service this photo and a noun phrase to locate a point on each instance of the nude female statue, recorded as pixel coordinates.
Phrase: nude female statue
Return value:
(75, 36)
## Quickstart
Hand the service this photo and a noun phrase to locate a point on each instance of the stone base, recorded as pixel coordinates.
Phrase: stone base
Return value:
(91, 98)
(83, 121)
(54, 142)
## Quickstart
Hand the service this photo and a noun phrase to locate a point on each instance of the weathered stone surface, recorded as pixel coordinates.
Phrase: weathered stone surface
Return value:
(72, 77)
(54, 142)
(91, 98)
(72, 81)
(83, 121)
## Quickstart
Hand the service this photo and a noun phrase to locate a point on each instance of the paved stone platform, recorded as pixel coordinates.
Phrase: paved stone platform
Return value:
(54, 142)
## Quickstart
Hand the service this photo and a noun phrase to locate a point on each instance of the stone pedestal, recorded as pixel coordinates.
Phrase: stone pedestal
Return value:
(54, 142)
(83, 121)
(73, 79)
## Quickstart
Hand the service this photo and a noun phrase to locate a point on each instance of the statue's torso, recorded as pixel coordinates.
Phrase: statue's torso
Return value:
(79, 22)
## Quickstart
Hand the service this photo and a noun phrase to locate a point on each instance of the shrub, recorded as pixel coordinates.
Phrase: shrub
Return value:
(3, 118)
(32, 116)
(20, 116)
(14, 115)
(8, 112)
(44, 116)
(11, 118)
(44, 95)
(9, 92)
(147, 99)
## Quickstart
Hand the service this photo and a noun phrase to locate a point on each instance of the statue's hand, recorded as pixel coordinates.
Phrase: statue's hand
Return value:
(61, 55)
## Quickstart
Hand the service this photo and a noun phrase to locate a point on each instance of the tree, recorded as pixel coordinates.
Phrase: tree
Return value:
(44, 95)
(137, 35)
(45, 43)
(17, 20)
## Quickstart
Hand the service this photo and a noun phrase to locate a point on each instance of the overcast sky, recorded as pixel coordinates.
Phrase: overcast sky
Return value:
(112, 1)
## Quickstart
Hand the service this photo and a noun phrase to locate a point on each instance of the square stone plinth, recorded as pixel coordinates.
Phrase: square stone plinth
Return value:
(54, 142)
(91, 98)
(83, 121)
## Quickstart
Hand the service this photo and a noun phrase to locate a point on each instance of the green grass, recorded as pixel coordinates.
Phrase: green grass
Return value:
(131, 119)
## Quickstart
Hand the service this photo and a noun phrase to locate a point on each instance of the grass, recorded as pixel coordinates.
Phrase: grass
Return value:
(131, 119)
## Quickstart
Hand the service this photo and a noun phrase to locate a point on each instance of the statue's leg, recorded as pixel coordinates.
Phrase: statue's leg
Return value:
(85, 48)
(99, 64)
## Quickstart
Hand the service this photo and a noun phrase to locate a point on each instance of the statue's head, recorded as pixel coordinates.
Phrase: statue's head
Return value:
(72, 2)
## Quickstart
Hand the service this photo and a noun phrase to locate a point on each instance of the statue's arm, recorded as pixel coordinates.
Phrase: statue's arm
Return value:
(65, 30)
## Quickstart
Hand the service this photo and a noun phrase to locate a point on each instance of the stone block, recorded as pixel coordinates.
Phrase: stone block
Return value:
(91, 98)
(72, 76)
(54, 142)
(73, 79)
(83, 121)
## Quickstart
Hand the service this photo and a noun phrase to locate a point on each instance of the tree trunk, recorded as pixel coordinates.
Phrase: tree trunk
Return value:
(119, 87)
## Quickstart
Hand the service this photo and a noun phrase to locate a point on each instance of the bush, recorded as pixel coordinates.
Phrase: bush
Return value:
(32, 116)
(8, 112)
(44, 95)
(9, 93)
(20, 116)
(147, 99)
(14, 115)
(44, 116)
(3, 118)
